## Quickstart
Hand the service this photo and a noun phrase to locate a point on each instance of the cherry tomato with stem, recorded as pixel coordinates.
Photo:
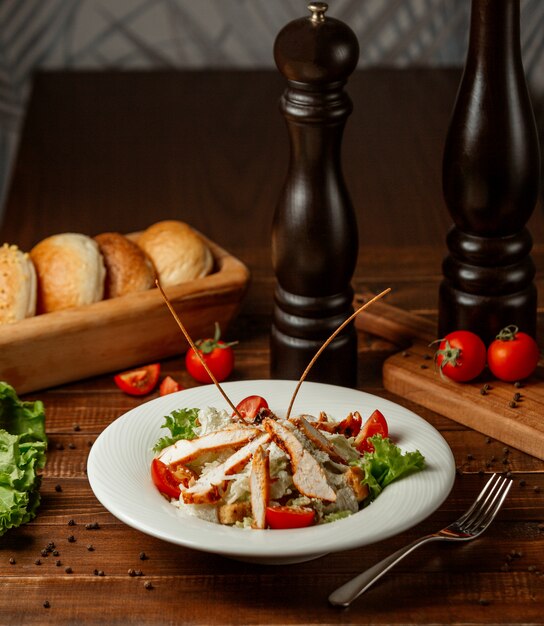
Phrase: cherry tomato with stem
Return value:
(140, 381)
(376, 424)
(513, 355)
(282, 517)
(461, 356)
(218, 355)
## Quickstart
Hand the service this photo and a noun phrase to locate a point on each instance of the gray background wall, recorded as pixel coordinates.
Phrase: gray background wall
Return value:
(136, 34)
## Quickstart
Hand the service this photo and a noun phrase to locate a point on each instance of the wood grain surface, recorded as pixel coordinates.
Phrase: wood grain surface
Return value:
(118, 151)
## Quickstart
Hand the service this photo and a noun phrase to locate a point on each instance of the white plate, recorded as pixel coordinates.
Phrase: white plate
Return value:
(119, 462)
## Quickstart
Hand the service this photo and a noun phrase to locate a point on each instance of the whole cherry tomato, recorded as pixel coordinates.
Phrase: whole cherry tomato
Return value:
(376, 424)
(461, 355)
(218, 355)
(513, 355)
(140, 381)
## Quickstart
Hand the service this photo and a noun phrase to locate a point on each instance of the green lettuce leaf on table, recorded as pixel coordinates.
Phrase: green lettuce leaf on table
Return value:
(386, 464)
(23, 445)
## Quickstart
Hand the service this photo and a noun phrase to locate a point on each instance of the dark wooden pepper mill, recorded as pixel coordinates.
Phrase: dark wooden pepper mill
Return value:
(490, 181)
(314, 235)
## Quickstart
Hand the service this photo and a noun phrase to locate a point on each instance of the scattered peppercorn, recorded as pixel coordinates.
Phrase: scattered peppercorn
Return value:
(89, 443)
(505, 450)
(405, 354)
(68, 570)
(483, 392)
(143, 556)
(90, 548)
(71, 539)
(101, 573)
(522, 483)
(44, 552)
(55, 553)
(518, 385)
(50, 546)
(423, 366)
(92, 526)
(58, 563)
(12, 560)
(148, 585)
(59, 446)
(58, 488)
(426, 357)
(132, 572)
(72, 522)
(536, 489)
(517, 396)
(46, 604)
(469, 457)
(488, 439)
(483, 602)
(37, 562)
(512, 404)
(72, 446)
(77, 428)
(95, 572)
(531, 568)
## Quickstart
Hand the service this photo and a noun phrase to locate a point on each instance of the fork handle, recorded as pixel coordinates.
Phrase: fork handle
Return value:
(344, 595)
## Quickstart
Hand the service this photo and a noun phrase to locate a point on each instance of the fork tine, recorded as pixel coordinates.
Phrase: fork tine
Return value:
(490, 507)
(477, 503)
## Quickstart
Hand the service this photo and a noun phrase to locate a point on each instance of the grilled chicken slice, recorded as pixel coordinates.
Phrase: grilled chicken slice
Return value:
(208, 489)
(308, 475)
(319, 440)
(186, 450)
(259, 483)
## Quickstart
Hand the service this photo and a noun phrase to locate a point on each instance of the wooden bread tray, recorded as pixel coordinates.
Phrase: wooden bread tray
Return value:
(116, 334)
(410, 374)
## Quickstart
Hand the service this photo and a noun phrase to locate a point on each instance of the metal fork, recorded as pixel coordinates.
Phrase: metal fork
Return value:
(467, 527)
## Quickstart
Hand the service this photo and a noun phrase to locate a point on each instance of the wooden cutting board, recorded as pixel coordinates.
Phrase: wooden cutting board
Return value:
(486, 405)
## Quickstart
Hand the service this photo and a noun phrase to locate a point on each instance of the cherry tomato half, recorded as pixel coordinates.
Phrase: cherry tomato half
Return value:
(513, 355)
(169, 385)
(218, 356)
(164, 479)
(281, 517)
(461, 355)
(249, 407)
(139, 382)
(376, 424)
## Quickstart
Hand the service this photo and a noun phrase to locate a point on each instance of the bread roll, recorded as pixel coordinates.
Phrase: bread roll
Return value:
(70, 271)
(18, 285)
(127, 267)
(177, 252)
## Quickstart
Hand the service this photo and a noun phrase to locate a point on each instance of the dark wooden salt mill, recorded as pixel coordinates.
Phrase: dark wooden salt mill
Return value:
(490, 183)
(314, 235)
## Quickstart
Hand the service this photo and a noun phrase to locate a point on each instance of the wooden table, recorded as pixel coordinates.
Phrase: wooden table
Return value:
(118, 151)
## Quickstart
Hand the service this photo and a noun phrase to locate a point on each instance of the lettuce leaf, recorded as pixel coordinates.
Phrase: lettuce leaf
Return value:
(181, 424)
(23, 445)
(386, 464)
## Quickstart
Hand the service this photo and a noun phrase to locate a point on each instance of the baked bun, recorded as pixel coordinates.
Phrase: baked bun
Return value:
(127, 267)
(177, 252)
(70, 272)
(18, 285)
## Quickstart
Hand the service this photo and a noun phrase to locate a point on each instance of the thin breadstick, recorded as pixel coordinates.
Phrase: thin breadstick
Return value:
(193, 346)
(318, 353)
